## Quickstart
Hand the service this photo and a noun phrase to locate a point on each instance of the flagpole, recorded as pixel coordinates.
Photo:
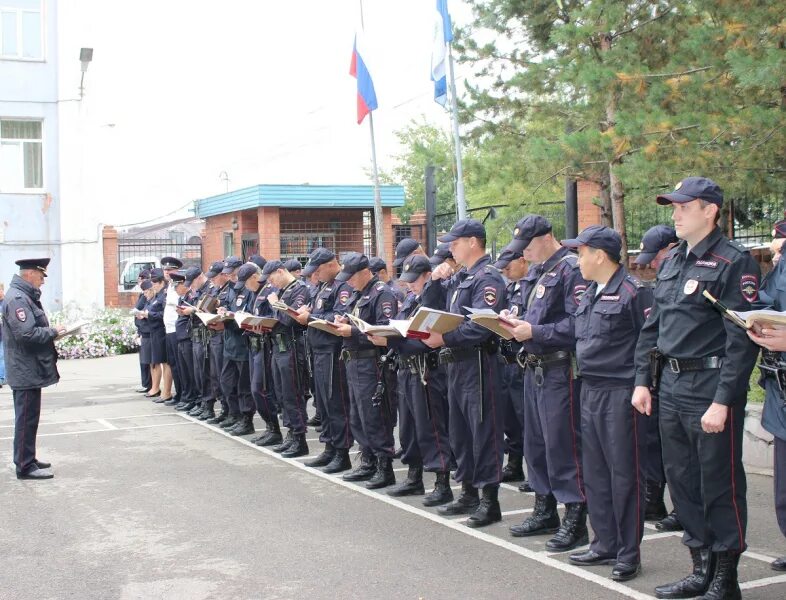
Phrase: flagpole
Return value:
(461, 201)
(378, 220)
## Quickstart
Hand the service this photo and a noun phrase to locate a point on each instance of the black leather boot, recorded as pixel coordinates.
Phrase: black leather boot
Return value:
(488, 511)
(272, 435)
(412, 486)
(229, 422)
(340, 462)
(466, 504)
(670, 523)
(245, 426)
(197, 410)
(525, 487)
(725, 585)
(442, 494)
(655, 509)
(298, 447)
(324, 458)
(185, 406)
(695, 584)
(573, 531)
(364, 471)
(284, 445)
(207, 412)
(513, 471)
(220, 417)
(314, 421)
(384, 475)
(544, 518)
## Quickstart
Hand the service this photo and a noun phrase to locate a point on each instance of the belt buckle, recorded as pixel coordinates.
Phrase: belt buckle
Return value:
(674, 365)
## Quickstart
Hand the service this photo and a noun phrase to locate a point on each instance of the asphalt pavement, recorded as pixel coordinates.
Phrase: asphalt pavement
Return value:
(148, 503)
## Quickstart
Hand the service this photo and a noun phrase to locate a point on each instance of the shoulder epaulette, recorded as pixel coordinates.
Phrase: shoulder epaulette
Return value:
(634, 281)
(738, 246)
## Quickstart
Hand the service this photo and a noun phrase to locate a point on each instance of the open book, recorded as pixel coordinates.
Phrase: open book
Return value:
(247, 321)
(322, 325)
(396, 327)
(208, 318)
(418, 327)
(747, 318)
(284, 308)
(72, 329)
(485, 317)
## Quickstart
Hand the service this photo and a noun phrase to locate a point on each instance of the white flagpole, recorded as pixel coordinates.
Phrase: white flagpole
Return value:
(461, 201)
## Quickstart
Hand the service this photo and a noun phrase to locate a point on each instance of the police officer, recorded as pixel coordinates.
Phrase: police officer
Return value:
(441, 255)
(513, 267)
(31, 361)
(330, 376)
(422, 388)
(471, 352)
(143, 330)
(773, 368)
(608, 320)
(290, 375)
(218, 289)
(154, 313)
(655, 244)
(552, 291)
(371, 416)
(703, 387)
(199, 285)
(235, 377)
(189, 395)
(169, 265)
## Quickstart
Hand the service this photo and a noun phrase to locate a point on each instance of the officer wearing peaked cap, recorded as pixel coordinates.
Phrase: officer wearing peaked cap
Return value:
(31, 361)
(707, 361)
(471, 354)
(214, 336)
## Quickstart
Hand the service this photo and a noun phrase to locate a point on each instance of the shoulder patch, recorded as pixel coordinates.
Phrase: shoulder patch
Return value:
(21, 314)
(749, 286)
(578, 293)
(490, 295)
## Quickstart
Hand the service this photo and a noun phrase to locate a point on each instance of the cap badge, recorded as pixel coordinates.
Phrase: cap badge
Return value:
(516, 231)
(406, 267)
(678, 186)
(641, 246)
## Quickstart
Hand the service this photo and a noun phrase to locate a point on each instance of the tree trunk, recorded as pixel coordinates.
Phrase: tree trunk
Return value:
(606, 211)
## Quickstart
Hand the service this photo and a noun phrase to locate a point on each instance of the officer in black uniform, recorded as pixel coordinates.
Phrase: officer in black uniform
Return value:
(199, 286)
(552, 291)
(189, 395)
(655, 244)
(290, 375)
(330, 376)
(707, 362)
(143, 330)
(443, 254)
(423, 392)
(371, 416)
(31, 361)
(608, 321)
(477, 404)
(513, 267)
(219, 287)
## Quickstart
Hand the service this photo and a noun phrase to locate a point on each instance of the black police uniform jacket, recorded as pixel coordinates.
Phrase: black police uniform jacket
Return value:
(30, 355)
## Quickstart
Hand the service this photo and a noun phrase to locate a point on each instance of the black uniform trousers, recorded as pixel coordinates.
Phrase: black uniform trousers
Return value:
(653, 463)
(613, 436)
(513, 378)
(27, 411)
(780, 483)
(372, 426)
(332, 397)
(423, 419)
(476, 418)
(200, 355)
(172, 358)
(215, 348)
(552, 434)
(703, 470)
(185, 367)
(146, 377)
(262, 389)
(236, 387)
(289, 378)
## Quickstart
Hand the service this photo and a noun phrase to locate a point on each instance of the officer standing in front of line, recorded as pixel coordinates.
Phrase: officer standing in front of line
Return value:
(31, 361)
(703, 388)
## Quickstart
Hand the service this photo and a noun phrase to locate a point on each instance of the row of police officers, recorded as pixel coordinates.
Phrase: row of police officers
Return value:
(607, 388)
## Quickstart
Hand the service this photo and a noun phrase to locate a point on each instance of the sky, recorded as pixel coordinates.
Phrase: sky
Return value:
(180, 91)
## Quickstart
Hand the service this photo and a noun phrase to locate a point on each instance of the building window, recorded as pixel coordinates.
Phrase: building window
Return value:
(21, 165)
(229, 243)
(21, 29)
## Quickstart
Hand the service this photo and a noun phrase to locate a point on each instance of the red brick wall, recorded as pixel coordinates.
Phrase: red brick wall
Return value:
(111, 273)
(589, 213)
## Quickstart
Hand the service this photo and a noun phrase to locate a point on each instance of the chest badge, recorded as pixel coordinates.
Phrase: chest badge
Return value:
(239, 301)
(319, 303)
(540, 291)
(690, 286)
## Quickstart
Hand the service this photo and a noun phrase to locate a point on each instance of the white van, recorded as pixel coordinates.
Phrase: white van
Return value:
(130, 269)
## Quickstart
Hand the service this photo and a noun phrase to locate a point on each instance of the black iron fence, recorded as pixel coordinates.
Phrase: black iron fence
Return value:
(135, 255)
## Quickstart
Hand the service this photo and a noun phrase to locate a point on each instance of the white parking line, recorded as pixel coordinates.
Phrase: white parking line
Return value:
(43, 423)
(101, 430)
(106, 424)
(756, 583)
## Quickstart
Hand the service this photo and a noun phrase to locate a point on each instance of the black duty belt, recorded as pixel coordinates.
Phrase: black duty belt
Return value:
(510, 359)
(347, 355)
(452, 355)
(678, 365)
(535, 360)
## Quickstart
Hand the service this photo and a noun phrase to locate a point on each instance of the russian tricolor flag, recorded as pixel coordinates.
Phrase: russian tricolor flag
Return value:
(367, 97)
(443, 34)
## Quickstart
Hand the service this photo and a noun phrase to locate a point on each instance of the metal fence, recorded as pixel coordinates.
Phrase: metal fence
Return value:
(137, 254)
(752, 219)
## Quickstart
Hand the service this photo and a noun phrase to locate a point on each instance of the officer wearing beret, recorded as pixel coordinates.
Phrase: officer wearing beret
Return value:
(330, 376)
(371, 416)
(608, 321)
(471, 352)
(235, 376)
(553, 289)
(655, 245)
(422, 389)
(260, 354)
(31, 361)
(707, 363)
(290, 375)
(513, 267)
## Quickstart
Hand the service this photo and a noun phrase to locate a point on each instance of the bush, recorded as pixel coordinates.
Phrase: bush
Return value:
(109, 332)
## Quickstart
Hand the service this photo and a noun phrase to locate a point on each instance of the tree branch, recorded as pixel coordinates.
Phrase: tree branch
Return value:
(688, 72)
(614, 36)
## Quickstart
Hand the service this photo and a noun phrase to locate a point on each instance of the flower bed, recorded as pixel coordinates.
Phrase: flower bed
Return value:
(109, 332)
